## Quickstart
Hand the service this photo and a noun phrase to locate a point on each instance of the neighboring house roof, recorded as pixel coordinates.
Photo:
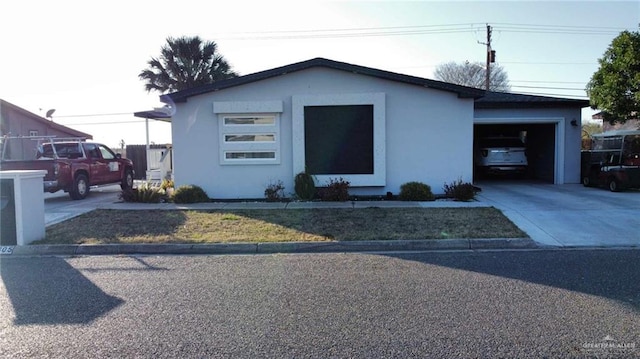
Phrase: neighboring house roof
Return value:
(514, 100)
(462, 91)
(52, 125)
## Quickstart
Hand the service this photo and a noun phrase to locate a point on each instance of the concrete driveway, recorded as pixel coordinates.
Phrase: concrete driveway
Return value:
(568, 215)
(59, 206)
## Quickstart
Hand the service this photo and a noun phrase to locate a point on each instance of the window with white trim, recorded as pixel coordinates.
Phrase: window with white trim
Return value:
(249, 139)
(340, 135)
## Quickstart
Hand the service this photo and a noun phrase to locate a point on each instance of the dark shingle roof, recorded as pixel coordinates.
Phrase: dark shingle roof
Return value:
(514, 100)
(462, 91)
(483, 99)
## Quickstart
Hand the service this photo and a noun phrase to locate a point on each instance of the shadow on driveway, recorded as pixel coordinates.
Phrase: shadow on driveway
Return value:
(50, 291)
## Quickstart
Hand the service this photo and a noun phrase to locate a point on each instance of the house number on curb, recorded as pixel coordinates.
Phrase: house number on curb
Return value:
(6, 250)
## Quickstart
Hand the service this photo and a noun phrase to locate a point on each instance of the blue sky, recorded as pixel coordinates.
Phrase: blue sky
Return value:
(82, 58)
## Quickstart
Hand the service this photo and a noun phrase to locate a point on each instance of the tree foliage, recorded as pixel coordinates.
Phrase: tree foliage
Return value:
(473, 74)
(185, 62)
(614, 87)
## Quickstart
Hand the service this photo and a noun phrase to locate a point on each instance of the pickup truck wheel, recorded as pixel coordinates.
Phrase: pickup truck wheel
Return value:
(613, 184)
(80, 188)
(127, 180)
(586, 181)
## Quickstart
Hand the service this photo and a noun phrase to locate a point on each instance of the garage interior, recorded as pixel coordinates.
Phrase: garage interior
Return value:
(540, 143)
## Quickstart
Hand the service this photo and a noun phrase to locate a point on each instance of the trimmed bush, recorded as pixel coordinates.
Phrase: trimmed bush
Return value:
(274, 192)
(304, 186)
(415, 191)
(190, 194)
(145, 193)
(460, 191)
(337, 190)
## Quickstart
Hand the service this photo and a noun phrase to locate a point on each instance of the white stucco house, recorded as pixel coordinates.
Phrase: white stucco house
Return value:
(374, 128)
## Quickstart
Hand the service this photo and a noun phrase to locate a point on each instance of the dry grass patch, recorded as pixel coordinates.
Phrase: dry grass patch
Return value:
(269, 225)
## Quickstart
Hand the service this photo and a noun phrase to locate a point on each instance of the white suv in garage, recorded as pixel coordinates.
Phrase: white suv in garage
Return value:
(501, 155)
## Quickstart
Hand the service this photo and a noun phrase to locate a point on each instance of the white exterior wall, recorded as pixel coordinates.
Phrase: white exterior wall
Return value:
(567, 160)
(427, 132)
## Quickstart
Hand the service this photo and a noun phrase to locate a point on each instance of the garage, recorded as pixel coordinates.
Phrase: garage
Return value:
(548, 127)
(539, 140)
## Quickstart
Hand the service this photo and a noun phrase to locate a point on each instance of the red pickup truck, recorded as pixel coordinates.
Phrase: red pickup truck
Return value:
(74, 166)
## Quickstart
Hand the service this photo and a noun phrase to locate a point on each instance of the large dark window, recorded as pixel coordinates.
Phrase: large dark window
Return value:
(338, 139)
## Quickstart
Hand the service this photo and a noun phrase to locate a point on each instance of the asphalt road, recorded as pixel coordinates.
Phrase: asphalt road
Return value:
(450, 305)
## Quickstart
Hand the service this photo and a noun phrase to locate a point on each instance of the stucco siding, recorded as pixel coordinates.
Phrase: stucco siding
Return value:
(427, 134)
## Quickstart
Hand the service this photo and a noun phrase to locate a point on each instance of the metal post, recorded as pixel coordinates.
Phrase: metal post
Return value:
(146, 122)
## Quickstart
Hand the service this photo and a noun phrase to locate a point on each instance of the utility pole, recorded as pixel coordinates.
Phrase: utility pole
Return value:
(487, 80)
(491, 57)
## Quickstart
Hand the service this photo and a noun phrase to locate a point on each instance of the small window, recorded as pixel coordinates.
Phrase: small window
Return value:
(261, 120)
(264, 137)
(250, 155)
(33, 133)
(249, 139)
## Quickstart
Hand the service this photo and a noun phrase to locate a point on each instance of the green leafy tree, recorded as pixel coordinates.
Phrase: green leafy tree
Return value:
(614, 87)
(473, 74)
(185, 62)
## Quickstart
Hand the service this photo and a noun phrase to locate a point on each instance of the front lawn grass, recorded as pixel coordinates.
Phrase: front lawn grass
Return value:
(286, 225)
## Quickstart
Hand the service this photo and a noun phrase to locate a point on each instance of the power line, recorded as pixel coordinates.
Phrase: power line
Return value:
(418, 30)
(554, 94)
(550, 82)
(103, 123)
(98, 115)
(550, 88)
(546, 63)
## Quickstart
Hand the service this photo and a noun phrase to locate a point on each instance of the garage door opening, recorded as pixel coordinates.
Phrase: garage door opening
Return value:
(539, 141)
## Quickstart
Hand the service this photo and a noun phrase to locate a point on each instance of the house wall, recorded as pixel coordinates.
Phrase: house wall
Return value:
(427, 134)
(568, 137)
(18, 122)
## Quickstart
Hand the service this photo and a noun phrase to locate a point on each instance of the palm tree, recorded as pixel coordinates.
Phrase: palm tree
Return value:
(185, 62)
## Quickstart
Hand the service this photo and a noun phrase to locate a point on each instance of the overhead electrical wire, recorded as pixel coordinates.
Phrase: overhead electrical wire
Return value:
(413, 30)
(418, 30)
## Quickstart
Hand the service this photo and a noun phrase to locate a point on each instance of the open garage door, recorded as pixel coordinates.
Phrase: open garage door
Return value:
(540, 143)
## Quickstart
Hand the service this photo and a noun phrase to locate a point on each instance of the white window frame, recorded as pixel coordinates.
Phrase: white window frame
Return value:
(378, 177)
(33, 133)
(228, 109)
(249, 146)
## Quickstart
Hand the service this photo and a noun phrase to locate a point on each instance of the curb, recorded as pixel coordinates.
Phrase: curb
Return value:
(276, 247)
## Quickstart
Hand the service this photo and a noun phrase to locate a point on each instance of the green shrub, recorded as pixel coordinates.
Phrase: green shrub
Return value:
(415, 191)
(190, 194)
(274, 192)
(304, 186)
(337, 190)
(145, 193)
(460, 191)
